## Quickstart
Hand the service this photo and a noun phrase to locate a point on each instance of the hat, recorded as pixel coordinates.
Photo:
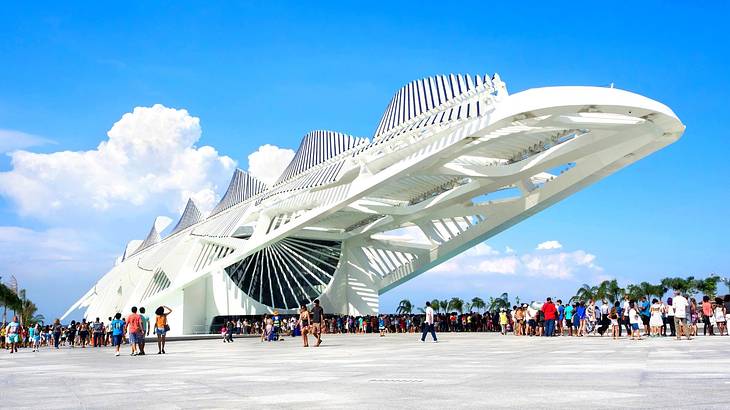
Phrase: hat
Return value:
(524, 305)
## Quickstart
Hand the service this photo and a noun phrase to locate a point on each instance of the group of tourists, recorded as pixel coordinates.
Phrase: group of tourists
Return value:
(678, 317)
(131, 330)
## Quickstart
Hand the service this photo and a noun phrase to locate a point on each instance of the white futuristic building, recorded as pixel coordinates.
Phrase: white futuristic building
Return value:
(454, 161)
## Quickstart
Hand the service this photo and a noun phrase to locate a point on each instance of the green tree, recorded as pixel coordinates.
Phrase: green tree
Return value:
(585, 293)
(445, 305)
(708, 286)
(405, 307)
(436, 305)
(456, 304)
(498, 303)
(610, 290)
(478, 304)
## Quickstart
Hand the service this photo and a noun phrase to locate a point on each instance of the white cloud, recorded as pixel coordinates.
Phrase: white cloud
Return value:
(268, 162)
(547, 245)
(150, 157)
(485, 260)
(11, 140)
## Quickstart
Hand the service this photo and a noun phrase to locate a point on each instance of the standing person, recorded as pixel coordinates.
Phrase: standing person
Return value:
(680, 304)
(161, 327)
(625, 307)
(560, 319)
(98, 329)
(428, 323)
(569, 318)
(304, 323)
(614, 318)
(35, 337)
(550, 312)
(669, 311)
(503, 320)
(317, 321)
(71, 333)
(580, 313)
(655, 320)
(134, 329)
(57, 329)
(145, 330)
(84, 332)
(117, 330)
(635, 320)
(605, 320)
(645, 313)
(720, 316)
(706, 314)
(12, 333)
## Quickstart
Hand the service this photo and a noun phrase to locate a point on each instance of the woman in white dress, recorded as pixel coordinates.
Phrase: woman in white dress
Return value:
(655, 321)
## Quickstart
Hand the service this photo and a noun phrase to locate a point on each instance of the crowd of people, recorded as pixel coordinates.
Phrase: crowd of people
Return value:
(677, 316)
(116, 331)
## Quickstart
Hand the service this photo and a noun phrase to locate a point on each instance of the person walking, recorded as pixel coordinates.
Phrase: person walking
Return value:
(317, 321)
(428, 324)
(655, 320)
(35, 336)
(145, 330)
(57, 330)
(134, 329)
(635, 320)
(12, 333)
(117, 330)
(304, 323)
(98, 329)
(161, 327)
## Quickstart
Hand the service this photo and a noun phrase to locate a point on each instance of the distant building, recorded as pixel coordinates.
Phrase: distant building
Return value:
(454, 161)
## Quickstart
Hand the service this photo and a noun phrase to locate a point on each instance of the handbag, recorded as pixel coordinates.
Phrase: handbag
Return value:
(167, 327)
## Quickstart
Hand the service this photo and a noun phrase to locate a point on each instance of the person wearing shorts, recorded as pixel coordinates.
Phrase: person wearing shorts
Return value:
(11, 332)
(134, 328)
(317, 321)
(117, 331)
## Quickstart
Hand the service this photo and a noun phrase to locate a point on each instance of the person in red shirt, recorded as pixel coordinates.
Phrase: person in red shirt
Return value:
(134, 330)
(549, 311)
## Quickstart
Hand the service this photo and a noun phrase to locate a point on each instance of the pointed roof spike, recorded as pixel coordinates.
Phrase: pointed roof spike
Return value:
(242, 187)
(161, 222)
(190, 216)
(317, 147)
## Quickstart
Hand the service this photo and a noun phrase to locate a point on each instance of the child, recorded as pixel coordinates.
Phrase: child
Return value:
(224, 333)
(635, 321)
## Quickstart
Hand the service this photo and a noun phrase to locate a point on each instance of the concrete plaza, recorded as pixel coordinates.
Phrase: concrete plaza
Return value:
(365, 371)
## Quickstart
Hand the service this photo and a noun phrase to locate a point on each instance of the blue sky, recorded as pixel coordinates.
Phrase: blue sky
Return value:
(259, 74)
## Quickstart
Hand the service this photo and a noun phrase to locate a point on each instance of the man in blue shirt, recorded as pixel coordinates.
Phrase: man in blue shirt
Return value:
(117, 331)
(645, 314)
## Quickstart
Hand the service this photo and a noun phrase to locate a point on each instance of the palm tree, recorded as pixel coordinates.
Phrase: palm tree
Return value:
(477, 303)
(467, 307)
(9, 300)
(585, 292)
(498, 303)
(405, 307)
(445, 305)
(436, 305)
(456, 304)
(610, 290)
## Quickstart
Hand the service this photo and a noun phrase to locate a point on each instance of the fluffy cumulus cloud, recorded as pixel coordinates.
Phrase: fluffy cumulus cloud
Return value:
(547, 263)
(268, 162)
(547, 245)
(150, 156)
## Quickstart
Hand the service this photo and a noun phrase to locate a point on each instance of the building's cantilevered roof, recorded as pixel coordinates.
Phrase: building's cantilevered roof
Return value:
(422, 95)
(190, 216)
(317, 147)
(242, 187)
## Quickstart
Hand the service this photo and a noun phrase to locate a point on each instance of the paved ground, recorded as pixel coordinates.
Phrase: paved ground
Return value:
(398, 371)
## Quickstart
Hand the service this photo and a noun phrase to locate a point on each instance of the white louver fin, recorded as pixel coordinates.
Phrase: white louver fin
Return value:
(316, 148)
(242, 187)
(423, 95)
(190, 216)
